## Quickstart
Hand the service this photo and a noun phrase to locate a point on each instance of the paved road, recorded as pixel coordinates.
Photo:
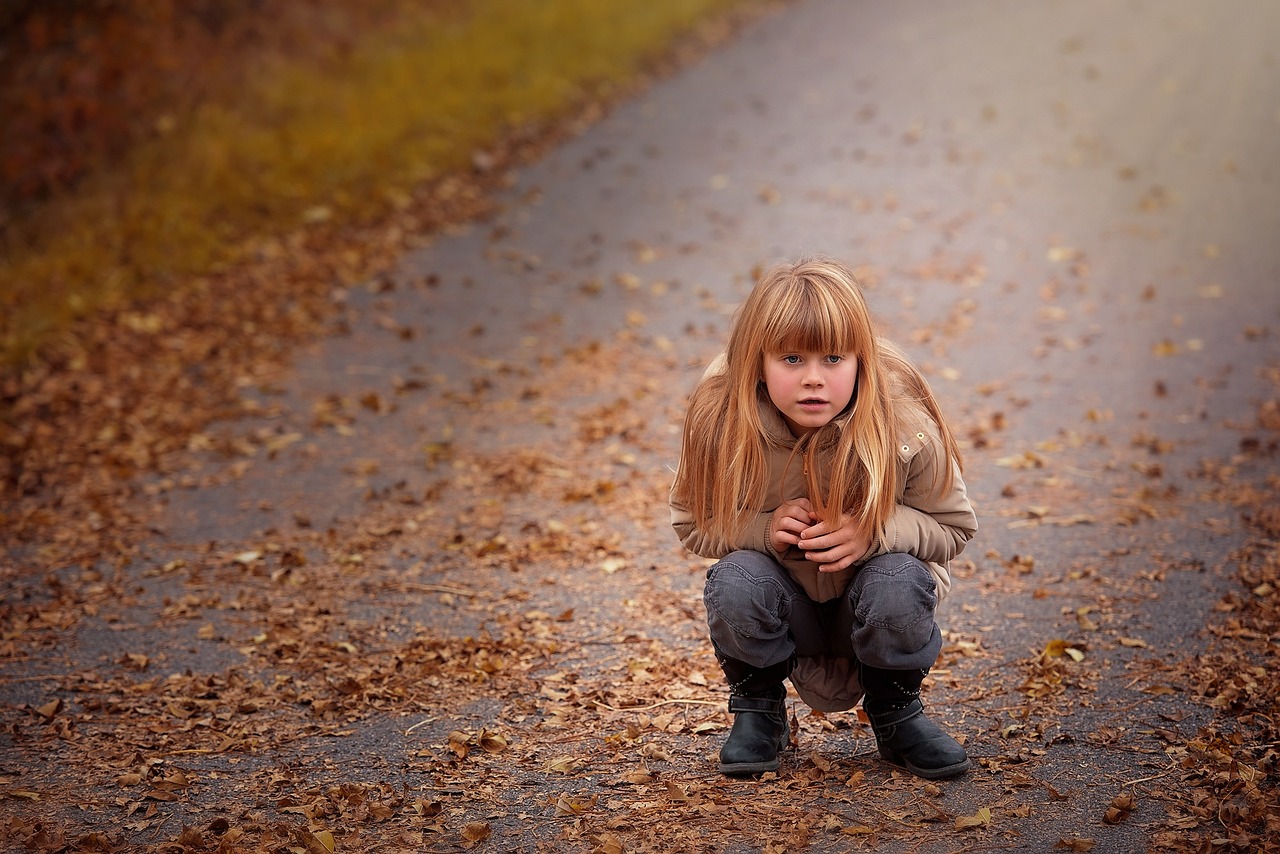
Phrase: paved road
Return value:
(1066, 210)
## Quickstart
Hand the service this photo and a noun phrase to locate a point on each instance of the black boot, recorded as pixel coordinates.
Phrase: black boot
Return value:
(904, 735)
(757, 703)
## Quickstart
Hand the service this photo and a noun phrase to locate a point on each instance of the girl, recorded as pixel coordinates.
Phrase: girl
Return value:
(816, 466)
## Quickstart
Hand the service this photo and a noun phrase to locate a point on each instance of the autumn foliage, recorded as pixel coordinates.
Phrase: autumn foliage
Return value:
(81, 82)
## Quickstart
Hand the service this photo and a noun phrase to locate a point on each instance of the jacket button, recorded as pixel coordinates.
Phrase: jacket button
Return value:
(906, 449)
(919, 435)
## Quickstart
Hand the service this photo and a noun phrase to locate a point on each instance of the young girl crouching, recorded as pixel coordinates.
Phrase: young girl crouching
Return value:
(817, 468)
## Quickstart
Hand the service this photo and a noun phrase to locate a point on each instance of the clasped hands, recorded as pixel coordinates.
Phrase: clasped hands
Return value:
(832, 545)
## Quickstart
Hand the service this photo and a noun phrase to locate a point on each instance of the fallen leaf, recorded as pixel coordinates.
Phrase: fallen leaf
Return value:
(475, 832)
(320, 842)
(982, 818)
(491, 742)
(564, 765)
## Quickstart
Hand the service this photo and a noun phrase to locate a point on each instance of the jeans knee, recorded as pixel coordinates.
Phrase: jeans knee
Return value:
(748, 602)
(895, 592)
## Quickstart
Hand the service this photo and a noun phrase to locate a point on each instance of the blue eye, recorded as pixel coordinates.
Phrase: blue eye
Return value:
(791, 359)
(835, 359)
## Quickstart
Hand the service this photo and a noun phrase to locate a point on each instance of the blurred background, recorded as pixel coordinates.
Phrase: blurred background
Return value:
(147, 140)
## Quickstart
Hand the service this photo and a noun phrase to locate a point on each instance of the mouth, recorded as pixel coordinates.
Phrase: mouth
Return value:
(813, 401)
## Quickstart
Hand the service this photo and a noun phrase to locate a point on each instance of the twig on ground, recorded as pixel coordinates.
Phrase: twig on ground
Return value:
(657, 704)
(417, 587)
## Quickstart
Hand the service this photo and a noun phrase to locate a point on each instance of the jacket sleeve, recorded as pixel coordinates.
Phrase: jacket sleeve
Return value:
(755, 537)
(932, 526)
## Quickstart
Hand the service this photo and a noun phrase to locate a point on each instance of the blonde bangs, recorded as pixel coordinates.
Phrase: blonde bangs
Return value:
(811, 319)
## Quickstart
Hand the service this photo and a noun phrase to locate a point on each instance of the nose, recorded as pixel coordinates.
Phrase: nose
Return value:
(813, 376)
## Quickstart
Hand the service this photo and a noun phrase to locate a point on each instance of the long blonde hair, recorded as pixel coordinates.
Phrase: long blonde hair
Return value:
(813, 305)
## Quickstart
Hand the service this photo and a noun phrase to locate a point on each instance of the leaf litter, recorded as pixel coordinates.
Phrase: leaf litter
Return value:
(596, 748)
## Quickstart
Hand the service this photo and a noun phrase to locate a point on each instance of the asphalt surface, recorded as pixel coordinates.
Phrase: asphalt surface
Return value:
(1067, 211)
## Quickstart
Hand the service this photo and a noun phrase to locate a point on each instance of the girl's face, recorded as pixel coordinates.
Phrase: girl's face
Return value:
(810, 388)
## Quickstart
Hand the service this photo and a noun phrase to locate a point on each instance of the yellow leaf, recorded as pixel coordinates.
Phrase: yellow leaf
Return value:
(564, 765)
(982, 818)
(1025, 460)
(1082, 618)
(321, 842)
(1055, 648)
(279, 443)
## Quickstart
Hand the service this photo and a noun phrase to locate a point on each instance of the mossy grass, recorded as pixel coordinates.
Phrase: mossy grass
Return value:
(339, 140)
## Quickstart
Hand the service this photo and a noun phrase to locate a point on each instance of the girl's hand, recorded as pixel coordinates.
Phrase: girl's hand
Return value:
(789, 520)
(834, 546)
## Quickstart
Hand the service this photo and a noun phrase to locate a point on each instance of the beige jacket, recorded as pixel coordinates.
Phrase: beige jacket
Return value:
(933, 528)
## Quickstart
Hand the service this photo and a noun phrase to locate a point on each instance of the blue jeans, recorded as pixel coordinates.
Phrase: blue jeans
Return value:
(757, 614)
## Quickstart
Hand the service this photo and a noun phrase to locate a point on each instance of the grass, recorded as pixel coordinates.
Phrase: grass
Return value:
(339, 140)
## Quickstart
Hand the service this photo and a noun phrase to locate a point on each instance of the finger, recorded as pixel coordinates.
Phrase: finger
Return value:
(833, 554)
(819, 537)
(818, 545)
(800, 512)
(791, 523)
(844, 563)
(798, 518)
(817, 531)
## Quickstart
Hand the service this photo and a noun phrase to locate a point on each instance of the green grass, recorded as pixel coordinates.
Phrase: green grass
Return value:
(342, 139)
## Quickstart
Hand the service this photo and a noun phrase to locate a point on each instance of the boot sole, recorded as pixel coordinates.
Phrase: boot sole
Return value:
(943, 773)
(747, 769)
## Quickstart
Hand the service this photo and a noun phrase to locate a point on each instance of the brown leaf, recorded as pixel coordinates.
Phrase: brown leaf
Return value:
(491, 742)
